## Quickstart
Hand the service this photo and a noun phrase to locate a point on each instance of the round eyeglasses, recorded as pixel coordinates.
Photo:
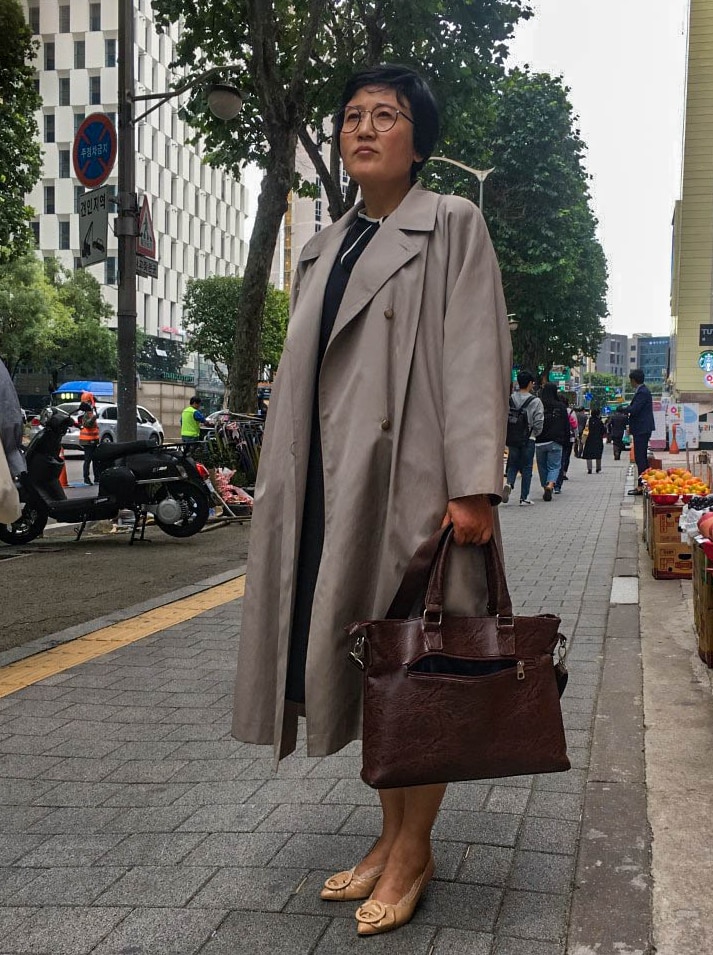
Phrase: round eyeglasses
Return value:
(383, 118)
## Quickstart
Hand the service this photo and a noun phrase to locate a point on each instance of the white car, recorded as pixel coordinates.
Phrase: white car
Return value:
(148, 427)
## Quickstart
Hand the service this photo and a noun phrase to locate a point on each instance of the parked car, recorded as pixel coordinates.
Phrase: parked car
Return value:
(148, 427)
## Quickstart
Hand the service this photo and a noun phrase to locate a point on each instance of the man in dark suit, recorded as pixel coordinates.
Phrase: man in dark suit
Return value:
(641, 423)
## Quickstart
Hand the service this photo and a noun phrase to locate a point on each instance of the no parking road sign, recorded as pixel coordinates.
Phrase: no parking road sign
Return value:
(94, 150)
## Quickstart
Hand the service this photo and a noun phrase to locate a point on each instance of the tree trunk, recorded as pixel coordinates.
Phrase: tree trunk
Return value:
(272, 205)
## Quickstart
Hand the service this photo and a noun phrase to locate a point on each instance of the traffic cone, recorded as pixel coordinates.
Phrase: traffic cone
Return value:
(63, 473)
(673, 447)
(632, 459)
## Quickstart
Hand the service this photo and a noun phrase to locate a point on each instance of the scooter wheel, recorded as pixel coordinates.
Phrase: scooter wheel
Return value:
(195, 506)
(26, 528)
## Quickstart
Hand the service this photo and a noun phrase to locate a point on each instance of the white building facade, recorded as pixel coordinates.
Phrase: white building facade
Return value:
(198, 212)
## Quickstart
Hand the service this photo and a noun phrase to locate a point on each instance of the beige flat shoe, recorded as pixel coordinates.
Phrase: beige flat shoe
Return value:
(375, 917)
(348, 887)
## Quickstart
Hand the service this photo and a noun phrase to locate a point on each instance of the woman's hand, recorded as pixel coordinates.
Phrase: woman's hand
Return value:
(472, 519)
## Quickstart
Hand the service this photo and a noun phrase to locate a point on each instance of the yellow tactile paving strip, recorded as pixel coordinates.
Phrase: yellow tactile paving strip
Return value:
(24, 673)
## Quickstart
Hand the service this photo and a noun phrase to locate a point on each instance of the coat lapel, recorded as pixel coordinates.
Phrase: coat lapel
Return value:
(399, 239)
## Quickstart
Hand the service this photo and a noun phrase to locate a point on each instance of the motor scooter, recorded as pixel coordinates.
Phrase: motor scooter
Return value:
(135, 476)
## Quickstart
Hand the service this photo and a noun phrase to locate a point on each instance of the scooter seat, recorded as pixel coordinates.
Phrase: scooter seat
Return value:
(110, 452)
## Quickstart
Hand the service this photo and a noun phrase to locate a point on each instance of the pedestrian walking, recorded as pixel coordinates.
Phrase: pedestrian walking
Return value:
(581, 416)
(527, 416)
(594, 441)
(89, 435)
(616, 428)
(191, 420)
(568, 447)
(551, 440)
(387, 420)
(641, 423)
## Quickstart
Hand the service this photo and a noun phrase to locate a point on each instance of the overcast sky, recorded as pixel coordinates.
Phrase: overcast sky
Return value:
(624, 61)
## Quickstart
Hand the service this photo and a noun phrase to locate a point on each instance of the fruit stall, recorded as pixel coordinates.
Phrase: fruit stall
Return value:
(678, 530)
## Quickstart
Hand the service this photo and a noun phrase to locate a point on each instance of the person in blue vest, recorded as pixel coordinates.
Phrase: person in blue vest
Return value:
(191, 420)
(641, 423)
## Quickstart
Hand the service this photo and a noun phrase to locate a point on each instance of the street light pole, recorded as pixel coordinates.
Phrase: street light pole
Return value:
(482, 174)
(225, 102)
(126, 229)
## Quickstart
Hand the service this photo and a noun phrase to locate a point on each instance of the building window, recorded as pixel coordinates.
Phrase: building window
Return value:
(64, 235)
(34, 17)
(35, 226)
(110, 271)
(79, 54)
(36, 83)
(78, 120)
(78, 193)
(64, 91)
(49, 127)
(109, 53)
(49, 56)
(77, 263)
(64, 164)
(49, 200)
(95, 90)
(64, 19)
(95, 16)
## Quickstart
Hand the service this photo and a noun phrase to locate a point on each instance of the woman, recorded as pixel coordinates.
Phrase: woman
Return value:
(398, 333)
(551, 440)
(594, 443)
(568, 445)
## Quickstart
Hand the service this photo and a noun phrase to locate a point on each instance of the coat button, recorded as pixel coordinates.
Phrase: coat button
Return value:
(386, 424)
(388, 313)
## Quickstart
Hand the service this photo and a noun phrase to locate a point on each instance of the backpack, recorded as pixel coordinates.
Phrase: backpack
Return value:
(556, 426)
(518, 433)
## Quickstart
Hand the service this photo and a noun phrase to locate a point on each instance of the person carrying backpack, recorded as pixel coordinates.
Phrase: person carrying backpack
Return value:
(525, 419)
(89, 435)
(551, 440)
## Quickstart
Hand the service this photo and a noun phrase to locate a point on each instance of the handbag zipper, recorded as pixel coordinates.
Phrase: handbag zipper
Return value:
(519, 672)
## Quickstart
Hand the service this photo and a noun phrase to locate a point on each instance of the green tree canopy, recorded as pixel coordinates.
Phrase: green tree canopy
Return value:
(291, 60)
(32, 315)
(85, 344)
(209, 309)
(20, 151)
(537, 206)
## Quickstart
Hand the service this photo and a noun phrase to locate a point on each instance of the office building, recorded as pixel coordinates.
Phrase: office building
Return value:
(612, 358)
(198, 212)
(692, 279)
(651, 354)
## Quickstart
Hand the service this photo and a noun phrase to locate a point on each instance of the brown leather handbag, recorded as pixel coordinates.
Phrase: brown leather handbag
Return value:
(453, 698)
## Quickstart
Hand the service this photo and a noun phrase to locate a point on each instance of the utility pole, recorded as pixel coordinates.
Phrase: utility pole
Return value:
(126, 228)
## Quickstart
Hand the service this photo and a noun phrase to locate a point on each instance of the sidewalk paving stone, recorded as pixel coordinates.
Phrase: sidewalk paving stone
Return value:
(175, 838)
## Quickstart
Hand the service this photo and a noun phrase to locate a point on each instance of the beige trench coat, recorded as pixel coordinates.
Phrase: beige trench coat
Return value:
(413, 396)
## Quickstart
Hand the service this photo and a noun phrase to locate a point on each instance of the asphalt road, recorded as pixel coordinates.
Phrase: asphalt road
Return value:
(55, 582)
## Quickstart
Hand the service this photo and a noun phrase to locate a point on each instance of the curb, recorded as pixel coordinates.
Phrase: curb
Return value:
(117, 616)
(612, 904)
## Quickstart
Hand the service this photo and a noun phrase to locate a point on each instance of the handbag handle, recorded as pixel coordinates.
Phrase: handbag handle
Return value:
(426, 572)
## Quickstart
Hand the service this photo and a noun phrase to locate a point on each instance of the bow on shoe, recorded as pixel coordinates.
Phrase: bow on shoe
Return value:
(376, 913)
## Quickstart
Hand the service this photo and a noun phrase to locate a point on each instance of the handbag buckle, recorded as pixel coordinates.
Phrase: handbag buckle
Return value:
(430, 621)
(505, 623)
(356, 654)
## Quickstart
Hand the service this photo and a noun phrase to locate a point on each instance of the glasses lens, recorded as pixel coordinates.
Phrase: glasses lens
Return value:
(351, 120)
(383, 118)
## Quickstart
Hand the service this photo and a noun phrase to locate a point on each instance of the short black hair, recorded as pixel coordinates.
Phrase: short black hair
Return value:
(408, 85)
(637, 375)
(524, 378)
(595, 411)
(195, 400)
